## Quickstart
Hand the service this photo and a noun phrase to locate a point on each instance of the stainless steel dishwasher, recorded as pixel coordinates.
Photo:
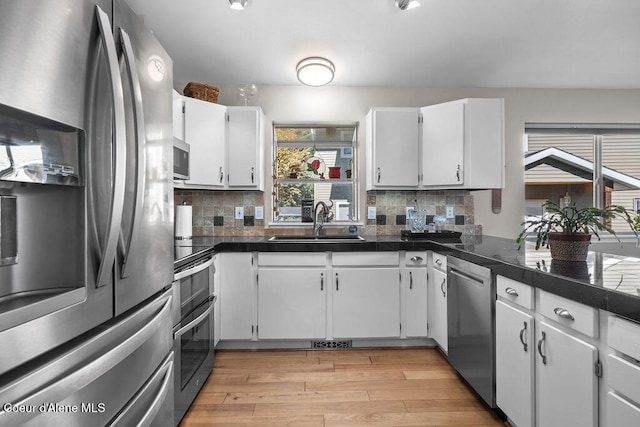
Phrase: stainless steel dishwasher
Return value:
(471, 325)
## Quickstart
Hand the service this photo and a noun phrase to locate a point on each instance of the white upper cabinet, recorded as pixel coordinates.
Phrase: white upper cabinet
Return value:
(463, 144)
(457, 144)
(245, 147)
(226, 144)
(392, 148)
(204, 131)
(443, 144)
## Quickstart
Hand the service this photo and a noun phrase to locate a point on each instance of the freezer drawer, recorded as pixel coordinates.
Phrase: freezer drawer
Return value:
(112, 371)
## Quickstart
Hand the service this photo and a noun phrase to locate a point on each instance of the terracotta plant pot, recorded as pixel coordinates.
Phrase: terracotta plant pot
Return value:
(569, 247)
(334, 171)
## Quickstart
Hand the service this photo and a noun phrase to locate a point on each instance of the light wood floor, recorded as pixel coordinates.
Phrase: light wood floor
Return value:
(351, 387)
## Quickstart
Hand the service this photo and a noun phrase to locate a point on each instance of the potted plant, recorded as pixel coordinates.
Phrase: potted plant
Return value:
(567, 230)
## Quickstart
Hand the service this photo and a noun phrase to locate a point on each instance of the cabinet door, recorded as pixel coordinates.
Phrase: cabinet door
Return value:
(204, 131)
(443, 137)
(366, 302)
(292, 303)
(415, 283)
(438, 309)
(395, 139)
(515, 350)
(178, 116)
(567, 392)
(244, 131)
(236, 296)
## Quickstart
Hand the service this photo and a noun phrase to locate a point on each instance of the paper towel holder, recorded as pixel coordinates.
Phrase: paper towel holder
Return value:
(183, 226)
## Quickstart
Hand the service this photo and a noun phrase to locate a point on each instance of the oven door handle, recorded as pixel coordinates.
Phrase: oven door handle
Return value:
(193, 270)
(177, 334)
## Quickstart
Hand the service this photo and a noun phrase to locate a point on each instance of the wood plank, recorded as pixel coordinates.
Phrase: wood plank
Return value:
(425, 394)
(422, 419)
(198, 411)
(442, 405)
(291, 420)
(341, 375)
(255, 387)
(317, 408)
(427, 374)
(305, 396)
(388, 385)
(257, 368)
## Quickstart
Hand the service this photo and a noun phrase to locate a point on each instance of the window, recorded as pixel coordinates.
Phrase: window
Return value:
(592, 165)
(314, 163)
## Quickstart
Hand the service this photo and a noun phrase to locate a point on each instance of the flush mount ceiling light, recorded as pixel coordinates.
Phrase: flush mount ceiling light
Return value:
(238, 4)
(315, 71)
(407, 4)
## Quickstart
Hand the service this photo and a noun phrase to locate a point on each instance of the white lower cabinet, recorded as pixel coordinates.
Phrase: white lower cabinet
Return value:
(437, 297)
(292, 303)
(236, 296)
(515, 350)
(546, 369)
(366, 302)
(416, 322)
(567, 386)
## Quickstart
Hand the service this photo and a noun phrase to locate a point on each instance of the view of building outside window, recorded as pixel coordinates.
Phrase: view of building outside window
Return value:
(313, 164)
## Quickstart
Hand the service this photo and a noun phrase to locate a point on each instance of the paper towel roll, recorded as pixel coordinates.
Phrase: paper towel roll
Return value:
(183, 229)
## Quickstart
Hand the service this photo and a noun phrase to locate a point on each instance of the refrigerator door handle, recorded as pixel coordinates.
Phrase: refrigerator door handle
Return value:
(193, 270)
(91, 368)
(120, 139)
(167, 376)
(140, 138)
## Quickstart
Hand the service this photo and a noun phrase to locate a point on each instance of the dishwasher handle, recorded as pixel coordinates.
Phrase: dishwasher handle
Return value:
(464, 275)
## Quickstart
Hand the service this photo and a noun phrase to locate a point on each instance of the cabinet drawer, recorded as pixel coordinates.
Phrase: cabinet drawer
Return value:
(569, 313)
(415, 259)
(624, 376)
(362, 259)
(515, 292)
(292, 259)
(624, 336)
(440, 261)
(620, 412)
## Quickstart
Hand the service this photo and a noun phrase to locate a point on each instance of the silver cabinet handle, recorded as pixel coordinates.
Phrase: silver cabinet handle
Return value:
(410, 280)
(221, 175)
(109, 249)
(337, 285)
(544, 358)
(379, 175)
(416, 258)
(322, 281)
(564, 313)
(439, 262)
(511, 291)
(442, 287)
(458, 173)
(252, 170)
(140, 140)
(522, 331)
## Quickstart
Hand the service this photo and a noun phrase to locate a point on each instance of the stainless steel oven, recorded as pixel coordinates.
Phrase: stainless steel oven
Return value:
(193, 330)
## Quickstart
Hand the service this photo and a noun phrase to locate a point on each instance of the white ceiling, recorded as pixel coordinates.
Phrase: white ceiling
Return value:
(443, 43)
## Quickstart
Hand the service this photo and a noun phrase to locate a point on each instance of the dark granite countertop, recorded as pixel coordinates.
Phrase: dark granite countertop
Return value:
(609, 280)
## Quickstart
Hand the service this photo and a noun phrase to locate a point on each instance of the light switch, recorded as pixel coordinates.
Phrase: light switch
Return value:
(371, 212)
(239, 212)
(259, 211)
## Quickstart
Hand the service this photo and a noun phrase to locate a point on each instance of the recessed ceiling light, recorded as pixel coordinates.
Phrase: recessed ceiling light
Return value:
(315, 71)
(238, 4)
(407, 4)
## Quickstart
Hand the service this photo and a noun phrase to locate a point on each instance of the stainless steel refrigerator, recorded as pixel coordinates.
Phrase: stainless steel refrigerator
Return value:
(86, 216)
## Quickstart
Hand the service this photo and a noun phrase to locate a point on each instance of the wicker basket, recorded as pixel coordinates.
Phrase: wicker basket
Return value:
(201, 91)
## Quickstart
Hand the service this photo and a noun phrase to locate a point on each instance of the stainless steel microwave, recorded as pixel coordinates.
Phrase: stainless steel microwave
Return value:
(180, 159)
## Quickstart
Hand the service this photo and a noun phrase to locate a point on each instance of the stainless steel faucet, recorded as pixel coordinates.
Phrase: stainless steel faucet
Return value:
(319, 220)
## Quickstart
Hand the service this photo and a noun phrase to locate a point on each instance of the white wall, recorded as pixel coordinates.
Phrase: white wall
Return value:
(335, 103)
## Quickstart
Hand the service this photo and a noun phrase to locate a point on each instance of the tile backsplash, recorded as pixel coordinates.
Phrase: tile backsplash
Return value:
(213, 211)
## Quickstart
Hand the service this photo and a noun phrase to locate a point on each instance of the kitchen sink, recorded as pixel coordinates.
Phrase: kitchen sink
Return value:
(338, 238)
